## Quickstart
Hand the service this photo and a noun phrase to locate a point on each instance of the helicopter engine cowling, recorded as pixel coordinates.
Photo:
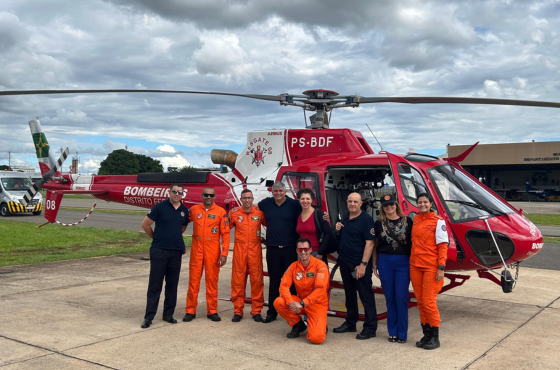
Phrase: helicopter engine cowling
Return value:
(224, 156)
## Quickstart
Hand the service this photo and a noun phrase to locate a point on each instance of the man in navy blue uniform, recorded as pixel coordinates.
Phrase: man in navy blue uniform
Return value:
(356, 245)
(281, 213)
(171, 218)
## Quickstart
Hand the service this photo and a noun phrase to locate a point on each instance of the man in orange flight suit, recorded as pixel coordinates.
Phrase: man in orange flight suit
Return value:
(311, 278)
(247, 255)
(210, 222)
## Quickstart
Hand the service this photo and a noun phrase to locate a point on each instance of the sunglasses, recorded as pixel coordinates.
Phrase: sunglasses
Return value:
(177, 192)
(303, 250)
(389, 205)
(208, 195)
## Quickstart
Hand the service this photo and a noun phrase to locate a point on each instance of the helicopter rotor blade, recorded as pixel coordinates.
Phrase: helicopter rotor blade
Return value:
(453, 100)
(288, 99)
(50, 92)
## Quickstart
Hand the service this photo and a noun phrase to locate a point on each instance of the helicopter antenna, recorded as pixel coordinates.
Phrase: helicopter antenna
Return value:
(375, 138)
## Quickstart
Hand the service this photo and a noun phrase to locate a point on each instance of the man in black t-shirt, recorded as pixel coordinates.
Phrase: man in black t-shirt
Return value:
(171, 218)
(281, 213)
(356, 246)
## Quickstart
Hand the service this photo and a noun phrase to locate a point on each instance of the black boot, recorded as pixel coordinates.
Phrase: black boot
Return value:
(297, 329)
(434, 339)
(426, 338)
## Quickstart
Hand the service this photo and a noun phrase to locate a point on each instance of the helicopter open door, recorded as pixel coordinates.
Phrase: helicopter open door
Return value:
(411, 181)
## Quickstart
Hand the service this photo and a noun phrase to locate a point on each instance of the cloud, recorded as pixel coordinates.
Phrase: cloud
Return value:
(483, 48)
(166, 148)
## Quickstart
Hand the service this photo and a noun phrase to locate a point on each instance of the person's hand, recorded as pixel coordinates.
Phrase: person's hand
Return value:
(376, 272)
(222, 261)
(232, 210)
(360, 271)
(326, 216)
(319, 257)
(184, 251)
(295, 307)
(439, 275)
(338, 226)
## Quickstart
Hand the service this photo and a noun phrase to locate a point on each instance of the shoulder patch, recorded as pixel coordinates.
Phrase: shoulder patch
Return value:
(372, 231)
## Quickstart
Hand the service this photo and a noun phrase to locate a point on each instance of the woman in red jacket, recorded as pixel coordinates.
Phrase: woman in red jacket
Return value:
(427, 267)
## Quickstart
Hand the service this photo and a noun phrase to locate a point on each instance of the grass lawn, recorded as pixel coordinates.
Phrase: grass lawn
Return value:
(22, 243)
(551, 239)
(541, 219)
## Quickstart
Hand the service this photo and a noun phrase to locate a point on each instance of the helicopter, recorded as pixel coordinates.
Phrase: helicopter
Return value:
(485, 232)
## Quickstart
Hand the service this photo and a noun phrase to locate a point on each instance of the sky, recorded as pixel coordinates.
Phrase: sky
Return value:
(494, 49)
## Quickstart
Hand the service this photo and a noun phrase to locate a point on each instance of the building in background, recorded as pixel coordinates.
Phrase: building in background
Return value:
(516, 171)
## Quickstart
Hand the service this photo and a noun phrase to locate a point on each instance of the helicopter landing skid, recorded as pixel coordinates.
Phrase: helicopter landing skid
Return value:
(455, 280)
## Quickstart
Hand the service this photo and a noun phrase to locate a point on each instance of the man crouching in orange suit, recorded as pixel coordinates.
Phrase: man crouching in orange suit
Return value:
(311, 278)
(210, 221)
(247, 255)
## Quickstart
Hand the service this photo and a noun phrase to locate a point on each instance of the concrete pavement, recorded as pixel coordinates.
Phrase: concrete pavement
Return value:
(86, 314)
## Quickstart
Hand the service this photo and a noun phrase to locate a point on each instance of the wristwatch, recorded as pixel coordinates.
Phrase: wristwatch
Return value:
(364, 263)
(302, 304)
(441, 267)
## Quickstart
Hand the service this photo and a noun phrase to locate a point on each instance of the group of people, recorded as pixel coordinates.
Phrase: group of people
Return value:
(298, 240)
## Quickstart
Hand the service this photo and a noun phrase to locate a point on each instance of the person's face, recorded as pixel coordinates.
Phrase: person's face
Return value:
(424, 205)
(278, 193)
(390, 209)
(354, 202)
(304, 251)
(176, 194)
(305, 201)
(247, 200)
(208, 196)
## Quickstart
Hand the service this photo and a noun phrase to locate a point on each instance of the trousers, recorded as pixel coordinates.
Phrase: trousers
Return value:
(363, 286)
(316, 318)
(394, 272)
(426, 290)
(277, 262)
(164, 264)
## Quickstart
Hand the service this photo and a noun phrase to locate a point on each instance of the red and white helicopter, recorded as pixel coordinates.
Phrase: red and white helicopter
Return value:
(485, 232)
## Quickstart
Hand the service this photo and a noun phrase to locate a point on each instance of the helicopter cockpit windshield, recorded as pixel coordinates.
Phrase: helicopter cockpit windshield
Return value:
(463, 198)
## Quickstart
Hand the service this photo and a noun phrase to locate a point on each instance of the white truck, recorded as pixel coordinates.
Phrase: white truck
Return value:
(13, 186)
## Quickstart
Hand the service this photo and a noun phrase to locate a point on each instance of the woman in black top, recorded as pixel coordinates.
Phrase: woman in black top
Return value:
(391, 265)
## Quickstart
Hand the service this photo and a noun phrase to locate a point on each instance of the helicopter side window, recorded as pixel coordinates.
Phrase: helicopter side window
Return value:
(463, 198)
(412, 182)
(299, 180)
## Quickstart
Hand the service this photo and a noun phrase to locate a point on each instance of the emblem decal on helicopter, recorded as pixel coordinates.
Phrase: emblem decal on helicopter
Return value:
(214, 230)
(299, 276)
(258, 149)
(443, 228)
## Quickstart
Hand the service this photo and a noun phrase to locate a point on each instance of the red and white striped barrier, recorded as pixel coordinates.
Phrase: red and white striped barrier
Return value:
(75, 223)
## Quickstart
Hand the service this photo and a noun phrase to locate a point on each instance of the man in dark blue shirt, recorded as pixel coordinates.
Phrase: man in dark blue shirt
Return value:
(281, 213)
(171, 218)
(356, 246)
